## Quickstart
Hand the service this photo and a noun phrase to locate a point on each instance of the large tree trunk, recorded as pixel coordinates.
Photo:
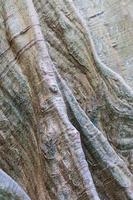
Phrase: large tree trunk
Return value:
(66, 118)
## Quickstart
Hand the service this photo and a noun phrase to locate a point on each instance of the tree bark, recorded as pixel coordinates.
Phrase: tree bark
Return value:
(66, 117)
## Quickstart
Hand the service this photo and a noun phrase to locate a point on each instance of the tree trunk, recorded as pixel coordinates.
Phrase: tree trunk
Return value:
(66, 115)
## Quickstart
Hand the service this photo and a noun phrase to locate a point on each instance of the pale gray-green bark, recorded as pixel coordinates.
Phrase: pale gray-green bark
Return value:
(66, 116)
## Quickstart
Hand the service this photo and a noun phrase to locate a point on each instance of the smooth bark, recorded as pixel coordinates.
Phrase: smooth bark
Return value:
(66, 118)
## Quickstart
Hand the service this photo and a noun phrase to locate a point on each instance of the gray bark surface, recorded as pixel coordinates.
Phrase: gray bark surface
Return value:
(66, 100)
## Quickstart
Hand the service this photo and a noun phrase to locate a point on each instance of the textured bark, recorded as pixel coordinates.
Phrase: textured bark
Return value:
(66, 118)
